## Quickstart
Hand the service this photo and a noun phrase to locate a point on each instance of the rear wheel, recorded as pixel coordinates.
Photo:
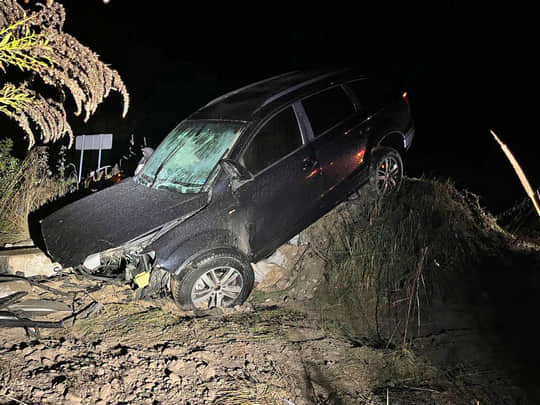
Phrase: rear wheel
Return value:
(221, 279)
(385, 172)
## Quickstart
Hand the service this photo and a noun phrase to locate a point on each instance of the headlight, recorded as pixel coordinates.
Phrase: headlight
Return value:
(92, 262)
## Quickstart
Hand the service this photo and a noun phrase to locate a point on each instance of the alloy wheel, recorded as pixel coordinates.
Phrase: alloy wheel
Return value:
(218, 287)
(388, 175)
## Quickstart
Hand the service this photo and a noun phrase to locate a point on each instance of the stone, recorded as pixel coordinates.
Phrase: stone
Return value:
(277, 271)
(72, 398)
(28, 262)
(180, 367)
(175, 379)
(105, 391)
(11, 287)
(208, 374)
(60, 388)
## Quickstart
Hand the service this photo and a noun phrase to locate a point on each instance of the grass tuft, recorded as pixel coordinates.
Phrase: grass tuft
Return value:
(253, 392)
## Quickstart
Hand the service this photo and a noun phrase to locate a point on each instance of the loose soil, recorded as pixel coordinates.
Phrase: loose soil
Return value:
(268, 351)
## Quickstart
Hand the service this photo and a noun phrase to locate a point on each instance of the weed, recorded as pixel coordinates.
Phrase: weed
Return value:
(384, 258)
(403, 367)
(25, 185)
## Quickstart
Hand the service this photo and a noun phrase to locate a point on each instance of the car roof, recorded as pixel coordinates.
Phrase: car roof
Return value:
(249, 102)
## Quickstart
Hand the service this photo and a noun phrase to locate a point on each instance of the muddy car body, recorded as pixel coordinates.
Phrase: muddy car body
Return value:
(238, 178)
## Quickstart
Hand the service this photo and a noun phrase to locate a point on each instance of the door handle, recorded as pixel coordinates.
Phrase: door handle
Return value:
(367, 129)
(309, 164)
(359, 131)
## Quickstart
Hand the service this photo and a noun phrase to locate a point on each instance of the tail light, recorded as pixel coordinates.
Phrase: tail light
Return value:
(360, 156)
(405, 97)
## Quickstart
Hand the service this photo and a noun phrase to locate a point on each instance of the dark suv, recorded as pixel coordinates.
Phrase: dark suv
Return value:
(235, 180)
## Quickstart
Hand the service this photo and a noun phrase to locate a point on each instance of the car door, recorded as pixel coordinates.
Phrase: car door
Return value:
(286, 186)
(338, 141)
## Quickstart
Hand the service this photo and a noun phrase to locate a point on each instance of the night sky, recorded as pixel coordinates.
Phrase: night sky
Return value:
(466, 68)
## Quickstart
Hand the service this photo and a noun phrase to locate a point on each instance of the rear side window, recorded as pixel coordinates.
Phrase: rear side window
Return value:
(371, 94)
(327, 108)
(277, 138)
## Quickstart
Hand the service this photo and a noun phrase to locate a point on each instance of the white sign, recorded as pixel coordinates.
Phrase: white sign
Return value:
(93, 142)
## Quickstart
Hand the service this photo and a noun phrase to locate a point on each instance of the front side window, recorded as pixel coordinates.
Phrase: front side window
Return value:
(185, 160)
(327, 108)
(277, 138)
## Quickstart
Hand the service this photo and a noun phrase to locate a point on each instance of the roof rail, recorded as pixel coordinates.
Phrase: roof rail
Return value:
(298, 86)
(224, 96)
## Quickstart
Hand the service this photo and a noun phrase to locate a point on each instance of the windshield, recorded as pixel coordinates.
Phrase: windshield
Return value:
(187, 157)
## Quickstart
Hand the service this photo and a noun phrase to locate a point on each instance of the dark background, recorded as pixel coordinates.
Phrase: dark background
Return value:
(467, 69)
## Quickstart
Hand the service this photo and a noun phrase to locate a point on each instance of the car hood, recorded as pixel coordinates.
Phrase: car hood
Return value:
(112, 217)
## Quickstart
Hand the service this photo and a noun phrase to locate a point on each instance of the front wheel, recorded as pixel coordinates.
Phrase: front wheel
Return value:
(222, 279)
(385, 172)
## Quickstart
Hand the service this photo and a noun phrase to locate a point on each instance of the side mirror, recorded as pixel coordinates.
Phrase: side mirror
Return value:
(238, 173)
(235, 169)
(146, 153)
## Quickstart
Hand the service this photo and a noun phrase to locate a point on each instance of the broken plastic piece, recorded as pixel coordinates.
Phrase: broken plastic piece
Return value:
(142, 279)
(38, 307)
(7, 319)
(5, 301)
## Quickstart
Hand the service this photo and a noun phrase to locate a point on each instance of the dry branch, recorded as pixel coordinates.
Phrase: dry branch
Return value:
(520, 173)
(30, 109)
(36, 42)
(414, 294)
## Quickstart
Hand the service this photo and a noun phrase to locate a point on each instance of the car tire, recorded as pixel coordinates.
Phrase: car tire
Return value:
(385, 172)
(218, 279)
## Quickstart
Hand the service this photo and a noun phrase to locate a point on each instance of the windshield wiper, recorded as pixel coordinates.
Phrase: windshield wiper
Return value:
(143, 179)
(176, 183)
(183, 183)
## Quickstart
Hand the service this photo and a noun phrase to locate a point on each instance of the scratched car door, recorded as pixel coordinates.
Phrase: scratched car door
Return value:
(286, 185)
(338, 145)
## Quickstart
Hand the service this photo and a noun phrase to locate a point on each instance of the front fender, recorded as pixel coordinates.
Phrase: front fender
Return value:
(176, 261)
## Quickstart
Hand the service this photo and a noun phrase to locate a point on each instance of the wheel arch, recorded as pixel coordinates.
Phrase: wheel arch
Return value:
(211, 242)
(394, 139)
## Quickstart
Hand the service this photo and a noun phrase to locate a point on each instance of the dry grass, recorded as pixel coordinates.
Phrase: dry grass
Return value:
(383, 258)
(403, 367)
(253, 392)
(27, 185)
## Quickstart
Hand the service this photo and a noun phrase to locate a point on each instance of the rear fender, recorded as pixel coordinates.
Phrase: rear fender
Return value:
(394, 139)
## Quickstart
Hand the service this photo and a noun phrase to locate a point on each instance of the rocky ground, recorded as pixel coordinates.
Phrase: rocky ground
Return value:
(269, 351)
